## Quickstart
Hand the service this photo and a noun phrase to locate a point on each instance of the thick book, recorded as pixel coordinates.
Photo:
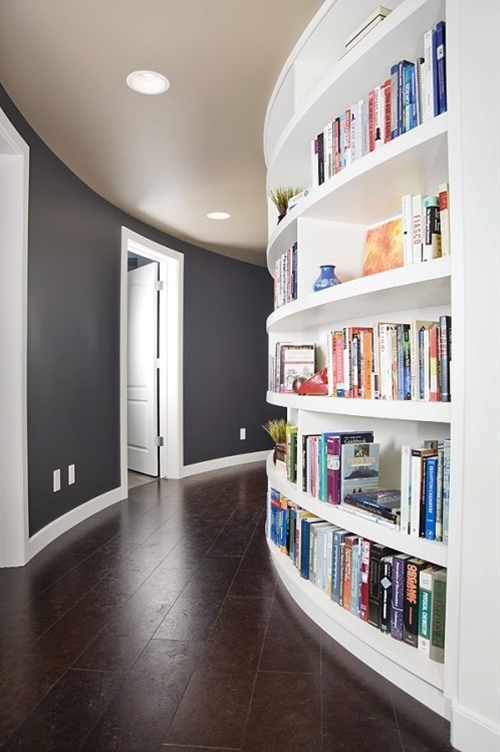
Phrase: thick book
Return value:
(413, 567)
(438, 626)
(432, 229)
(350, 541)
(398, 595)
(430, 496)
(364, 573)
(417, 494)
(384, 503)
(359, 468)
(377, 553)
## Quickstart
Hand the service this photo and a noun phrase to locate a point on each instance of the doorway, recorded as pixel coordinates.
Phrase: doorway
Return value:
(170, 274)
(14, 172)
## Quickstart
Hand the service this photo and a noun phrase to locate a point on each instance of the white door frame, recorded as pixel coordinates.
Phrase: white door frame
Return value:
(170, 348)
(14, 180)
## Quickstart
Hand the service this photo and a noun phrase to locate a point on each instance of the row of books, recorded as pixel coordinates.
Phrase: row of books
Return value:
(343, 467)
(391, 360)
(401, 595)
(413, 92)
(291, 365)
(285, 277)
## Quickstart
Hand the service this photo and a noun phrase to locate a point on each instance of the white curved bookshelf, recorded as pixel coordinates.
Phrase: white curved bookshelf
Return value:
(329, 226)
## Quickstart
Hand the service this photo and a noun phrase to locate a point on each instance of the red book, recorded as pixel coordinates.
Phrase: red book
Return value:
(371, 120)
(364, 575)
(387, 109)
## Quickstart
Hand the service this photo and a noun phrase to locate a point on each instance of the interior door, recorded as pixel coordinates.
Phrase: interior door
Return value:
(142, 380)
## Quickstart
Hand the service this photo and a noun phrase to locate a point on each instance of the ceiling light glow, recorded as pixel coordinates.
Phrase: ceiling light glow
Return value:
(218, 215)
(148, 82)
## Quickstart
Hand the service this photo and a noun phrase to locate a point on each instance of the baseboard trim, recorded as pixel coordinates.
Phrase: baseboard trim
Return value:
(217, 464)
(56, 528)
(471, 732)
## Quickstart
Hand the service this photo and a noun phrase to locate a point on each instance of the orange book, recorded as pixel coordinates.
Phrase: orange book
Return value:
(384, 247)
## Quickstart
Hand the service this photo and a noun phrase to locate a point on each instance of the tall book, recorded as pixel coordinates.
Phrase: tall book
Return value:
(418, 227)
(417, 495)
(398, 595)
(377, 553)
(441, 65)
(359, 468)
(364, 573)
(426, 583)
(405, 514)
(413, 567)
(430, 497)
(438, 627)
(297, 365)
(337, 543)
(385, 593)
(350, 542)
(444, 218)
(444, 358)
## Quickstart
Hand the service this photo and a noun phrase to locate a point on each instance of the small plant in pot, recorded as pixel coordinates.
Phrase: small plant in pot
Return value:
(276, 428)
(280, 198)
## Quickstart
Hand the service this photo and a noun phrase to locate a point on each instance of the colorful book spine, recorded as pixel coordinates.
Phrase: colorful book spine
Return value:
(441, 66)
(398, 595)
(431, 483)
(411, 596)
(438, 628)
(385, 593)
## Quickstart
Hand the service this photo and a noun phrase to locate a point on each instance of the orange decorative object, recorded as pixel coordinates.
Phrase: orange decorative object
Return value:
(317, 384)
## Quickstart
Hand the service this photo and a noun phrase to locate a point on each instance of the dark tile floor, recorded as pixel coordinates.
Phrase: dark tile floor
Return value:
(158, 625)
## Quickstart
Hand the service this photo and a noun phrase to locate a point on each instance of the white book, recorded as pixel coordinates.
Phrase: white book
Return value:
(407, 216)
(405, 489)
(428, 78)
(328, 150)
(418, 229)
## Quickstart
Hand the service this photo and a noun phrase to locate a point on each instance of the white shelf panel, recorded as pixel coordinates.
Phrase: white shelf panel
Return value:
(405, 666)
(425, 412)
(409, 287)
(356, 73)
(354, 195)
(434, 553)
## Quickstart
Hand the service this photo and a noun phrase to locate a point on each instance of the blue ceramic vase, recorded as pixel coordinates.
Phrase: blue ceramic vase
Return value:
(327, 278)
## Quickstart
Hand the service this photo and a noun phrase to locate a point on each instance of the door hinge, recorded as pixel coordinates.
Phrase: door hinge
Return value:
(159, 285)
(159, 441)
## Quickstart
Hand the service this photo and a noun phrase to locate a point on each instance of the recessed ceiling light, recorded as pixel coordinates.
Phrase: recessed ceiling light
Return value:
(218, 215)
(148, 82)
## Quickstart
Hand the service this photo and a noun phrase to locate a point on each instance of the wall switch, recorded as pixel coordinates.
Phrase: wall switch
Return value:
(243, 433)
(71, 475)
(56, 480)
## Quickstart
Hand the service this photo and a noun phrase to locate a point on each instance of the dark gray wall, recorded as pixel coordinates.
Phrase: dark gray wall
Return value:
(73, 339)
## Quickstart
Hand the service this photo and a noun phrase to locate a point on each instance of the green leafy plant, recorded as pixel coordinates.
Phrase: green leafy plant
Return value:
(276, 429)
(281, 196)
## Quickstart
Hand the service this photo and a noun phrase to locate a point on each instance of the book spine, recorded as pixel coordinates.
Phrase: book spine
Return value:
(374, 572)
(405, 489)
(355, 581)
(417, 225)
(364, 578)
(441, 65)
(425, 609)
(434, 334)
(338, 539)
(333, 469)
(437, 646)
(385, 594)
(431, 472)
(428, 78)
(444, 218)
(419, 73)
(394, 101)
(444, 357)
(398, 594)
(410, 610)
(446, 488)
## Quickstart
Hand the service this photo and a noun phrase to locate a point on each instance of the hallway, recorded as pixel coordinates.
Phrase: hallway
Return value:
(158, 626)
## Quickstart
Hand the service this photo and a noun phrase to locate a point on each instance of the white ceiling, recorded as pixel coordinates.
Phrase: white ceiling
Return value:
(169, 159)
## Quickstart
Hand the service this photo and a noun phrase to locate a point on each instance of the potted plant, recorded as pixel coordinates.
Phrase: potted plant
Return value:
(280, 198)
(276, 428)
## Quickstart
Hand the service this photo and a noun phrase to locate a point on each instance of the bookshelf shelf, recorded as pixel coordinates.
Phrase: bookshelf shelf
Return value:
(434, 553)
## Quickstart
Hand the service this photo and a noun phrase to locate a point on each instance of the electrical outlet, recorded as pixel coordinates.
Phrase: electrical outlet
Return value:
(243, 434)
(56, 480)
(71, 475)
